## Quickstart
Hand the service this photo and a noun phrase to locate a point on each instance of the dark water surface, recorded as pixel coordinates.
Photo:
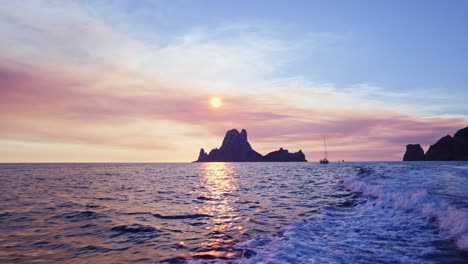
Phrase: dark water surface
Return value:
(234, 212)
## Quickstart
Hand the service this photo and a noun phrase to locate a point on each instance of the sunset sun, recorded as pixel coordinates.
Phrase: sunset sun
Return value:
(215, 102)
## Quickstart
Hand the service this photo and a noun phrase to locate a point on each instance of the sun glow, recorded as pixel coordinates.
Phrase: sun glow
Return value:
(215, 102)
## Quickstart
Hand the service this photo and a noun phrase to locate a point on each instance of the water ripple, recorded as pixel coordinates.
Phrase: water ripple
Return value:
(233, 212)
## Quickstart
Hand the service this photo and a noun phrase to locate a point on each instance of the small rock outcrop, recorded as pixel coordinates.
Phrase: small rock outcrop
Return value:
(414, 152)
(284, 155)
(202, 155)
(236, 148)
(445, 149)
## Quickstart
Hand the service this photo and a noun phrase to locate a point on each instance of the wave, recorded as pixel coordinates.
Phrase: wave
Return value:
(382, 219)
(92, 249)
(172, 217)
(78, 216)
(134, 233)
(451, 221)
(5, 215)
(185, 216)
(134, 228)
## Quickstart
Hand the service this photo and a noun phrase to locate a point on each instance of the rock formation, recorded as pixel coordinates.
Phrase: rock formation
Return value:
(460, 148)
(284, 155)
(414, 152)
(447, 148)
(203, 155)
(236, 148)
(441, 150)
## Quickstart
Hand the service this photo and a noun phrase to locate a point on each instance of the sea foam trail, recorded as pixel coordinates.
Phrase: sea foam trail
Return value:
(391, 217)
(452, 221)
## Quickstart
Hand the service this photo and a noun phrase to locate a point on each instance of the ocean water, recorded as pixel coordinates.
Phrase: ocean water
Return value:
(377, 212)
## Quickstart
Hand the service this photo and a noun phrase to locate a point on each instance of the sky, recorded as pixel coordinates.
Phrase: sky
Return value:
(131, 81)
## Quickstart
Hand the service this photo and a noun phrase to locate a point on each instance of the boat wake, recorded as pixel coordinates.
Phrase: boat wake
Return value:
(386, 218)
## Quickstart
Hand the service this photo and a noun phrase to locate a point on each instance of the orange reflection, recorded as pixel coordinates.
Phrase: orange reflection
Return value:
(219, 182)
(218, 178)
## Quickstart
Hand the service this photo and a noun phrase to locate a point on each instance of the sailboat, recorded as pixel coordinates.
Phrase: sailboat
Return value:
(325, 160)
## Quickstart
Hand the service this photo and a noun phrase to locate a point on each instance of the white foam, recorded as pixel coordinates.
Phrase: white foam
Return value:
(392, 223)
(452, 221)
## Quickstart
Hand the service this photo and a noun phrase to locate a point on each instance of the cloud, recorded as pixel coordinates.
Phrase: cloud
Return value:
(36, 107)
(72, 80)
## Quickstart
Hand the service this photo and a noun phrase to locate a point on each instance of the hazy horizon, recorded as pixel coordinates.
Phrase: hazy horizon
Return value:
(134, 81)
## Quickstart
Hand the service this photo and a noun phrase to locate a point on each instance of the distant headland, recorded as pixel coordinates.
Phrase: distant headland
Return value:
(445, 149)
(236, 148)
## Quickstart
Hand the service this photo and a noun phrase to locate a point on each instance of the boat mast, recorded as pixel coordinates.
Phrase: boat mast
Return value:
(325, 144)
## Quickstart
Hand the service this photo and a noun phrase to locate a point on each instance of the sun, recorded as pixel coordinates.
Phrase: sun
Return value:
(215, 102)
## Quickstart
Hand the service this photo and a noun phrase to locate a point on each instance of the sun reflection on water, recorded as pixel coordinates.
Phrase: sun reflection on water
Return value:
(218, 179)
(219, 182)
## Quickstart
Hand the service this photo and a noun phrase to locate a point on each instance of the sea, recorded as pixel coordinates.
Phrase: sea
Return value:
(346, 212)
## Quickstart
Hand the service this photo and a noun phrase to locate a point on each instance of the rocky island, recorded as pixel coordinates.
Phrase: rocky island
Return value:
(236, 148)
(445, 149)
(414, 152)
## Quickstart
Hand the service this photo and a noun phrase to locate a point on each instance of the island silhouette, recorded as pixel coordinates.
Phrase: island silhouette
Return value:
(236, 148)
(447, 148)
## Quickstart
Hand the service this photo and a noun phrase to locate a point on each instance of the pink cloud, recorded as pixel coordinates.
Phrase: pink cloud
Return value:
(36, 105)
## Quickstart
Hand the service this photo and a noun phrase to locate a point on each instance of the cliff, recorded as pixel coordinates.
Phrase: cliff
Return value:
(236, 148)
(460, 148)
(446, 148)
(441, 150)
